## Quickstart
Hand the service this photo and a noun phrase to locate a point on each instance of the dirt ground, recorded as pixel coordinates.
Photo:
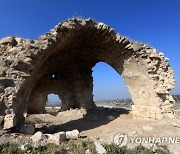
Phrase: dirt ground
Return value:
(103, 124)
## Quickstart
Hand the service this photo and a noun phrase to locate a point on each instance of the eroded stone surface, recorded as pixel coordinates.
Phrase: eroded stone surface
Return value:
(99, 148)
(38, 136)
(9, 121)
(61, 62)
(74, 134)
(56, 138)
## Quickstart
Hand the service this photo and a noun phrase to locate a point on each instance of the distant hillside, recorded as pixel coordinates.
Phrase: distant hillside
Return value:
(53, 104)
(118, 102)
(176, 98)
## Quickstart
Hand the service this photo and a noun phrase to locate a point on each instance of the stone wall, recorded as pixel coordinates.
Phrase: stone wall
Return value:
(70, 51)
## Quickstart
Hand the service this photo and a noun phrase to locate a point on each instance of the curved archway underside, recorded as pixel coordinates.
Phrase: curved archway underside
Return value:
(69, 52)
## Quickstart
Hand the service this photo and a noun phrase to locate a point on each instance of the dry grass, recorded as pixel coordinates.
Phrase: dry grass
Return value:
(79, 147)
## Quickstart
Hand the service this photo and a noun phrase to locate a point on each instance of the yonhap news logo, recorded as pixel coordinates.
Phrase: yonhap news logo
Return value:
(122, 139)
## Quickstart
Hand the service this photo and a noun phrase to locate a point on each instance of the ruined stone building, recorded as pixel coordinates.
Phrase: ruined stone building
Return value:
(61, 62)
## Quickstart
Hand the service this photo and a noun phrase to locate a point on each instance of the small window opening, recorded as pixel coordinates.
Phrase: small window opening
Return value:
(53, 104)
(53, 76)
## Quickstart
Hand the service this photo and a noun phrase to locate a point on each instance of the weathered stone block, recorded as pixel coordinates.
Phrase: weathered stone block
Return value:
(10, 121)
(56, 138)
(38, 136)
(72, 134)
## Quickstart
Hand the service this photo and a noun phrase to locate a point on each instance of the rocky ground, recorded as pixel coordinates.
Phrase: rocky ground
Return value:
(101, 125)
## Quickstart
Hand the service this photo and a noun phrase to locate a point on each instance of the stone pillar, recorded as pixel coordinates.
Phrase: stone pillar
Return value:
(37, 103)
(68, 99)
(84, 91)
(77, 90)
(148, 104)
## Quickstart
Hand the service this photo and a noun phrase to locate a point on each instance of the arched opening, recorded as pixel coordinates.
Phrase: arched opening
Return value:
(108, 84)
(53, 103)
(109, 88)
(53, 99)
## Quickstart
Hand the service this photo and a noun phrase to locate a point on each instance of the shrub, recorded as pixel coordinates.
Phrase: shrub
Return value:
(79, 146)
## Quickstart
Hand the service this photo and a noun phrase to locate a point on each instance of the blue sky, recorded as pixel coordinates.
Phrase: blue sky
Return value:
(154, 22)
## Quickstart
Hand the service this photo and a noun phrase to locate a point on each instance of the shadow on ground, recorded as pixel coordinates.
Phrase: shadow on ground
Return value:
(93, 119)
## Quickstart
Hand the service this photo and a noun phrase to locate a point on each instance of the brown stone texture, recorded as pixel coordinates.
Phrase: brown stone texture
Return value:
(61, 62)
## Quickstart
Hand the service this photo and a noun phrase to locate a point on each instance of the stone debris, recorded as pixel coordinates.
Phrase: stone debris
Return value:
(9, 121)
(24, 146)
(56, 138)
(99, 148)
(74, 134)
(82, 112)
(39, 125)
(88, 151)
(38, 136)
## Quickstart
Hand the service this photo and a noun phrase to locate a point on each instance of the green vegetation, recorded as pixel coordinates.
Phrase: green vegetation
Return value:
(113, 149)
(79, 147)
(70, 147)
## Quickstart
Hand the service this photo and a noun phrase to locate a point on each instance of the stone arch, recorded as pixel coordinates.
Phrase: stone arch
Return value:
(70, 50)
